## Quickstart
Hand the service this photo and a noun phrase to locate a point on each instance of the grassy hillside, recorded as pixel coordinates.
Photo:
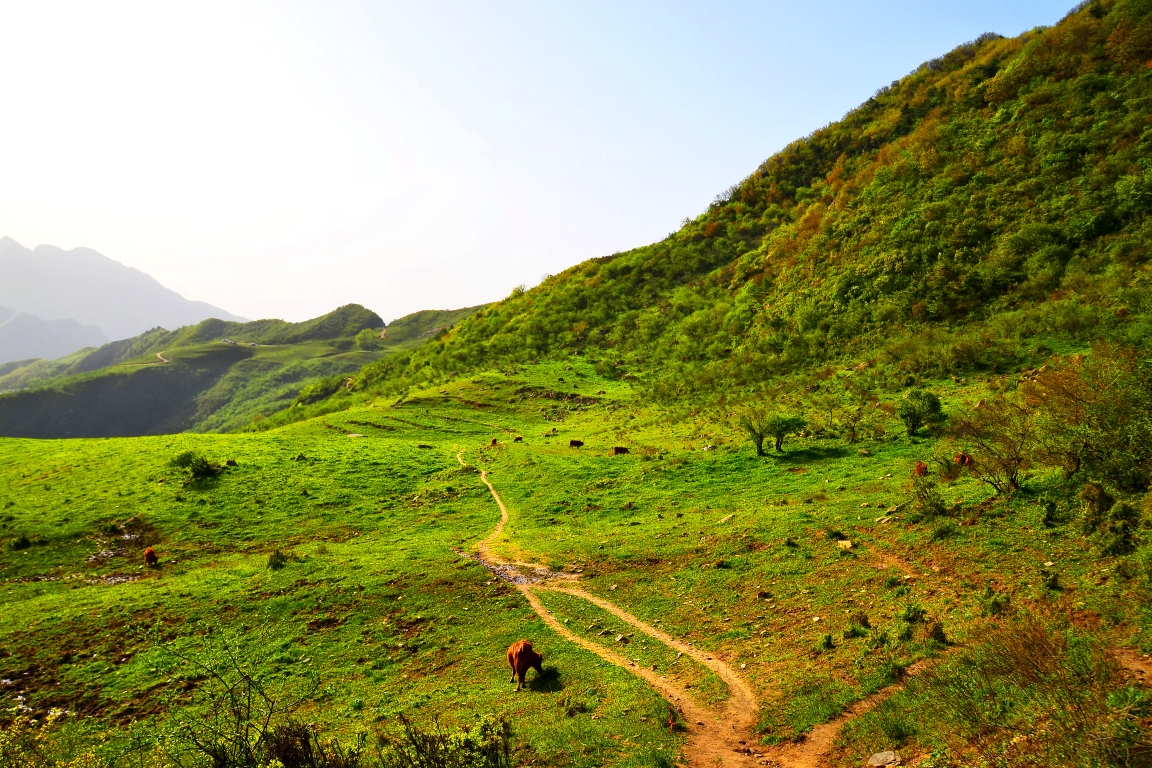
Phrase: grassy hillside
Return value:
(810, 573)
(171, 381)
(976, 215)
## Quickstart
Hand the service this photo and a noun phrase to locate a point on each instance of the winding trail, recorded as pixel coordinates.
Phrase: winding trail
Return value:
(714, 738)
(160, 355)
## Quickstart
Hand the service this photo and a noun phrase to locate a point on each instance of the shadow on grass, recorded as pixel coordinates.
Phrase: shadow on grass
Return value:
(810, 453)
(548, 682)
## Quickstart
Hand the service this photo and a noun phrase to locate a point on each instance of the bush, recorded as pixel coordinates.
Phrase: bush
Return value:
(993, 603)
(945, 530)
(277, 560)
(21, 542)
(926, 499)
(194, 465)
(919, 408)
(486, 745)
(1000, 436)
(1118, 536)
(1095, 416)
(1032, 676)
(913, 614)
(761, 425)
(368, 339)
(296, 745)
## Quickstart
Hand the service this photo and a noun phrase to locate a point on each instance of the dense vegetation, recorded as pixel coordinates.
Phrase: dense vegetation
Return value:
(976, 215)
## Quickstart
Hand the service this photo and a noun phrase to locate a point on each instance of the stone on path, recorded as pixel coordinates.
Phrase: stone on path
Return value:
(884, 758)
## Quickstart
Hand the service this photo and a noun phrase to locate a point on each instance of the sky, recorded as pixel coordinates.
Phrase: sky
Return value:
(280, 159)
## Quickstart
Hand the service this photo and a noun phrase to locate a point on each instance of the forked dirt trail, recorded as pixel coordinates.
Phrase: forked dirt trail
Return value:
(715, 738)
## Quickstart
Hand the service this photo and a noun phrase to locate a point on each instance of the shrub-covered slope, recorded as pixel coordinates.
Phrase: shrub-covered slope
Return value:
(993, 201)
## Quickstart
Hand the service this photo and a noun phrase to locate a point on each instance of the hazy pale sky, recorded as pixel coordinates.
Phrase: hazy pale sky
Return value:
(279, 159)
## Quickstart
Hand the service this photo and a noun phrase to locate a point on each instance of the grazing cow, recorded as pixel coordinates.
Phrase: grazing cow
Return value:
(962, 460)
(619, 450)
(493, 442)
(921, 470)
(150, 557)
(521, 658)
(575, 443)
(518, 439)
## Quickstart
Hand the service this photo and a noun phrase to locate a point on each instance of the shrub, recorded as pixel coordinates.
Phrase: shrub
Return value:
(277, 560)
(1097, 503)
(1123, 523)
(368, 339)
(945, 530)
(926, 499)
(761, 425)
(21, 542)
(1000, 436)
(194, 465)
(779, 426)
(993, 603)
(296, 745)
(913, 614)
(485, 745)
(919, 408)
(1033, 676)
(1095, 416)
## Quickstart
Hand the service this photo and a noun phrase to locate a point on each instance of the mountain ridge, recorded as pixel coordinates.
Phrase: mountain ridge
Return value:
(86, 286)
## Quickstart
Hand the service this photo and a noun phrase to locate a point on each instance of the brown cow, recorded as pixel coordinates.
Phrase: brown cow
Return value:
(518, 439)
(575, 443)
(619, 450)
(150, 557)
(521, 658)
(962, 460)
(493, 442)
(921, 470)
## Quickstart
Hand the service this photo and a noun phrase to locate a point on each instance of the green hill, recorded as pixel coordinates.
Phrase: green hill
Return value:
(858, 461)
(212, 376)
(985, 209)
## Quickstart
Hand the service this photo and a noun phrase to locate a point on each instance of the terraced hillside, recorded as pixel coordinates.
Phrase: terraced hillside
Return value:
(354, 560)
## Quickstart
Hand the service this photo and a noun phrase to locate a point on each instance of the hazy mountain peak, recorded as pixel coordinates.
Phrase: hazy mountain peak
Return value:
(82, 284)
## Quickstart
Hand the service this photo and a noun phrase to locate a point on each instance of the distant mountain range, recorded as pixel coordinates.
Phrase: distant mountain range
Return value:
(24, 336)
(46, 285)
(212, 376)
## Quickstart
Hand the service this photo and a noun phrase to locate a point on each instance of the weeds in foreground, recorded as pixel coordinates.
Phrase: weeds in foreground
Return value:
(1034, 692)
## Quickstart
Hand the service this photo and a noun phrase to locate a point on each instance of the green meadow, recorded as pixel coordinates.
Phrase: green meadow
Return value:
(804, 569)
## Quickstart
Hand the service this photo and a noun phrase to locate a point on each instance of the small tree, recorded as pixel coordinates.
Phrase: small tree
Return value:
(1000, 435)
(919, 408)
(754, 422)
(368, 339)
(779, 426)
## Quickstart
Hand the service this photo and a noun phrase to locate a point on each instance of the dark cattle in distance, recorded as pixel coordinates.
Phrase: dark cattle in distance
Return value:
(619, 450)
(575, 443)
(150, 557)
(518, 439)
(493, 442)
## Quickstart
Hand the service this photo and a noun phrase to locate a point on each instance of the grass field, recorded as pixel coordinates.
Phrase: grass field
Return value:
(793, 568)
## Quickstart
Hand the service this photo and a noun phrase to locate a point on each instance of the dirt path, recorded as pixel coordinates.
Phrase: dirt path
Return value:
(714, 738)
(160, 355)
